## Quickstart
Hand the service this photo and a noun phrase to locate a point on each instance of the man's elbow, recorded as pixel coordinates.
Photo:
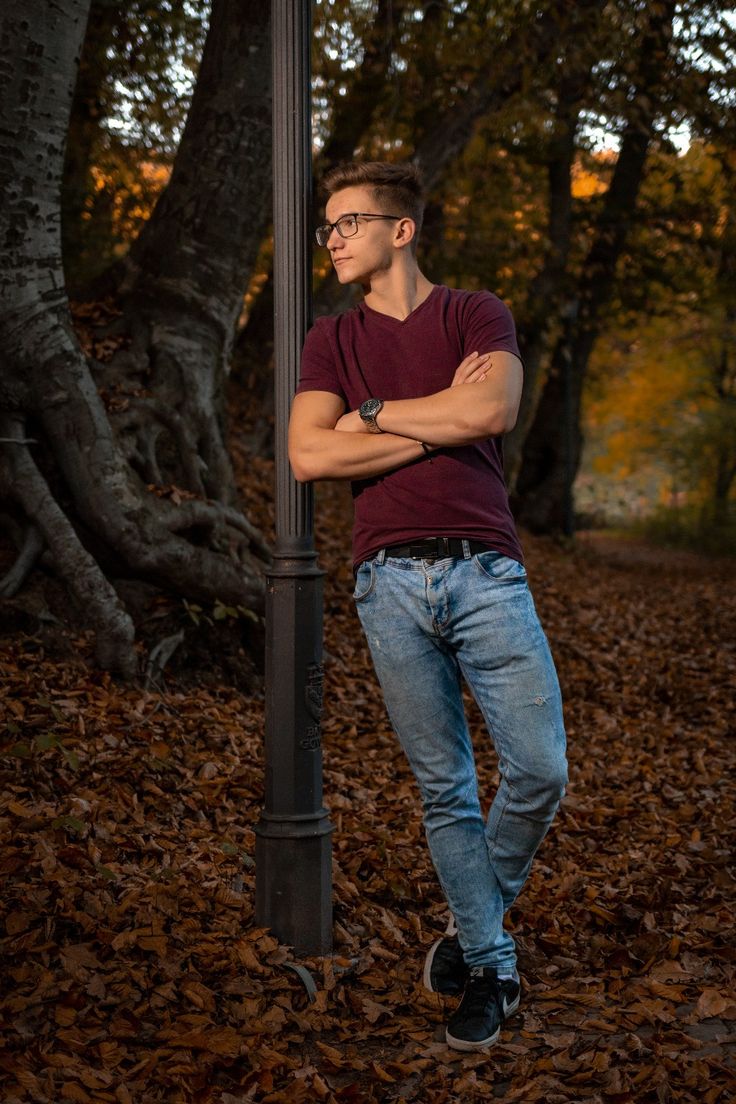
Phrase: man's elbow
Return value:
(497, 421)
(303, 471)
(506, 421)
(301, 462)
(310, 466)
(301, 475)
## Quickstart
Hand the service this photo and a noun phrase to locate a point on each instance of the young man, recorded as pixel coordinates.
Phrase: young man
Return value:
(408, 395)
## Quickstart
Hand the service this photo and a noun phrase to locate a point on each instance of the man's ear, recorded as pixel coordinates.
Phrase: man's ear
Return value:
(406, 230)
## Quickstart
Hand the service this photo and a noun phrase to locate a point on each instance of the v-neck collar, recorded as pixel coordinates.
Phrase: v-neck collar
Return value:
(393, 321)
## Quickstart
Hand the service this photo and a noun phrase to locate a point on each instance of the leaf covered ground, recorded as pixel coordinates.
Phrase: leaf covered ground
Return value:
(132, 969)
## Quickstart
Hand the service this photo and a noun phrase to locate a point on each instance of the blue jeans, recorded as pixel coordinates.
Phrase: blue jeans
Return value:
(427, 624)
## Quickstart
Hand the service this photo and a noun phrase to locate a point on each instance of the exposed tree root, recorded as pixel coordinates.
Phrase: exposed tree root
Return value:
(81, 574)
(214, 515)
(31, 549)
(140, 415)
(160, 656)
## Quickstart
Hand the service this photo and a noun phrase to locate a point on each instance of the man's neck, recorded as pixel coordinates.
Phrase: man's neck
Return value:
(398, 291)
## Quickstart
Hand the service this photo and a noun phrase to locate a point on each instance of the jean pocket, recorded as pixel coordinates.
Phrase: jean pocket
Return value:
(500, 568)
(365, 580)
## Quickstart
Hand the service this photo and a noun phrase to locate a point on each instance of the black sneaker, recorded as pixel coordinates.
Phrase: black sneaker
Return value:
(444, 967)
(486, 1003)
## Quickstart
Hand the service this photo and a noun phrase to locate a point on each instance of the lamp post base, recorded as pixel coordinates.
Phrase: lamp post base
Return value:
(294, 881)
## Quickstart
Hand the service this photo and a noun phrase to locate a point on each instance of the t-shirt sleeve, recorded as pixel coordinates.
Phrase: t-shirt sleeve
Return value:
(488, 326)
(318, 367)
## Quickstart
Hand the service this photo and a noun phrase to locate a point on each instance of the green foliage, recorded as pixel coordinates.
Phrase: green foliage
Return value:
(222, 612)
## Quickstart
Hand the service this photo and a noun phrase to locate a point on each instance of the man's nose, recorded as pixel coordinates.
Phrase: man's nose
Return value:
(334, 239)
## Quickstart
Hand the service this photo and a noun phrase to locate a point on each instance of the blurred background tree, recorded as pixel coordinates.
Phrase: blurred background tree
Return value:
(133, 90)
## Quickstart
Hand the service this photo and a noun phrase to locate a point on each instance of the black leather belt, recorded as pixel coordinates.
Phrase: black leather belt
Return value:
(436, 548)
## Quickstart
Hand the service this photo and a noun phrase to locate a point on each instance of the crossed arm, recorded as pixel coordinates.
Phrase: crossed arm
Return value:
(326, 443)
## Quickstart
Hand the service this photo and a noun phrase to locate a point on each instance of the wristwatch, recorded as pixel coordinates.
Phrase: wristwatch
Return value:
(369, 411)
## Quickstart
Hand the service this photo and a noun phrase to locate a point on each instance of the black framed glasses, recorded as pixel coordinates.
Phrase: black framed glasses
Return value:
(346, 225)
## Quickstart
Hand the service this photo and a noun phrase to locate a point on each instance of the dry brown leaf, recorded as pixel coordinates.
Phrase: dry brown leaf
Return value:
(712, 1003)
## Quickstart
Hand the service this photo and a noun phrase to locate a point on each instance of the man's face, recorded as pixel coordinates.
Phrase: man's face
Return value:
(369, 251)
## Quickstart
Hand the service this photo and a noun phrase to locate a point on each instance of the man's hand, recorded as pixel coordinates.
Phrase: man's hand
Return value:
(472, 370)
(351, 423)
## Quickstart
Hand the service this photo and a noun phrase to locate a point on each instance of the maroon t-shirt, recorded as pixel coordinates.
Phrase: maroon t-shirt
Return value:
(454, 492)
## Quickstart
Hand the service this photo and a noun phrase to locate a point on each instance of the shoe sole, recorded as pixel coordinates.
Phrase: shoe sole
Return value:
(481, 1044)
(466, 1044)
(427, 975)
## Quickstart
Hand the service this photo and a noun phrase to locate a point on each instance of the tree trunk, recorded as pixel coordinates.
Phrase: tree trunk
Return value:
(725, 475)
(724, 375)
(539, 325)
(189, 268)
(553, 446)
(725, 389)
(48, 398)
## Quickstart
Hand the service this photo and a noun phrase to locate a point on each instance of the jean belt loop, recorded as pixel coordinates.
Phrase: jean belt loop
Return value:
(381, 557)
(467, 554)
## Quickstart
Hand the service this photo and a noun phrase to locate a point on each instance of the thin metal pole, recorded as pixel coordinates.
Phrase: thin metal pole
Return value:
(293, 845)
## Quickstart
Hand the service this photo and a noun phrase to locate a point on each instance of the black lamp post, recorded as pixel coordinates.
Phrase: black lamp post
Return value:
(293, 846)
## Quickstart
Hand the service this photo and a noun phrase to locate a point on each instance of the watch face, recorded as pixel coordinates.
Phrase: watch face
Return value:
(370, 408)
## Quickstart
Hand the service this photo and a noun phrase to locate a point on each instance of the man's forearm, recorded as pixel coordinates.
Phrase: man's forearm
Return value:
(329, 454)
(455, 416)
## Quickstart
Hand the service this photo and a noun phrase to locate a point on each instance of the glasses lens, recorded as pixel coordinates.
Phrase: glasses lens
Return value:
(322, 234)
(347, 226)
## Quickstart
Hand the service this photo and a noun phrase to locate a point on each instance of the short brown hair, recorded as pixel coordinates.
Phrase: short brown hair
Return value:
(396, 186)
